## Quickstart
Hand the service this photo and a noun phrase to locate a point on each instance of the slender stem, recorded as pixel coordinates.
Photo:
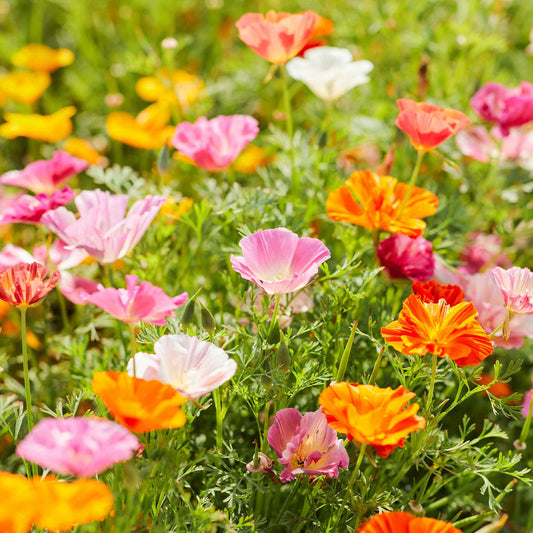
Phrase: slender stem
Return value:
(346, 355)
(264, 442)
(290, 127)
(274, 320)
(497, 329)
(527, 424)
(25, 365)
(219, 418)
(412, 181)
(432, 383)
(377, 364)
(133, 346)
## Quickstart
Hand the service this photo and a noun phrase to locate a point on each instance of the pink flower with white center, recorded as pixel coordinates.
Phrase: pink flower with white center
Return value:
(516, 285)
(82, 447)
(278, 261)
(144, 302)
(103, 229)
(12, 255)
(28, 209)
(482, 251)
(306, 444)
(193, 367)
(215, 144)
(45, 176)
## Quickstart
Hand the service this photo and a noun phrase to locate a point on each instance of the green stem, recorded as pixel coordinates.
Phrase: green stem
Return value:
(219, 418)
(133, 346)
(264, 442)
(274, 320)
(412, 181)
(497, 329)
(25, 365)
(431, 384)
(346, 355)
(377, 364)
(290, 127)
(527, 424)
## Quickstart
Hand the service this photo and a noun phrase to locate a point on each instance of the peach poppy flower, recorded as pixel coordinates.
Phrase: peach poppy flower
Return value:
(277, 36)
(374, 202)
(371, 415)
(42, 58)
(439, 328)
(48, 128)
(83, 149)
(433, 291)
(137, 404)
(24, 86)
(402, 522)
(428, 125)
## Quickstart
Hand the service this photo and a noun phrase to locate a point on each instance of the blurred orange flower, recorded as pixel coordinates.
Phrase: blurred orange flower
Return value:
(500, 390)
(402, 522)
(83, 150)
(11, 329)
(48, 128)
(137, 404)
(443, 330)
(24, 86)
(371, 415)
(42, 58)
(16, 503)
(323, 26)
(374, 202)
(433, 291)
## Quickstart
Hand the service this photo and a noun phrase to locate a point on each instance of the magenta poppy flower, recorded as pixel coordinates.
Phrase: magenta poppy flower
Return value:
(45, 176)
(404, 257)
(103, 229)
(214, 144)
(278, 261)
(482, 251)
(82, 447)
(193, 367)
(516, 285)
(306, 444)
(137, 303)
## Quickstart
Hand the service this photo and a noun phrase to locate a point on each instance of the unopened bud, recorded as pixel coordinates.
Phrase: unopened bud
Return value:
(188, 313)
(208, 322)
(283, 357)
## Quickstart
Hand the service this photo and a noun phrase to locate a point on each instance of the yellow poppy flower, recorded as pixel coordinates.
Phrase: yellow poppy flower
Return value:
(42, 58)
(82, 149)
(24, 86)
(173, 210)
(251, 158)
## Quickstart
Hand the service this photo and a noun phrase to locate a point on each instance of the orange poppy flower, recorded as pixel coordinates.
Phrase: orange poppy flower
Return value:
(374, 202)
(42, 58)
(371, 415)
(82, 149)
(401, 522)
(48, 128)
(17, 503)
(433, 291)
(137, 404)
(24, 86)
(277, 36)
(439, 328)
(500, 390)
(428, 125)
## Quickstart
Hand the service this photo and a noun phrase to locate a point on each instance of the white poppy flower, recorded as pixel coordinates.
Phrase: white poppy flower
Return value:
(329, 72)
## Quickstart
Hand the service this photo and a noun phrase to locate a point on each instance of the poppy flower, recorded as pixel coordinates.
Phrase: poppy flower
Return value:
(402, 522)
(500, 390)
(24, 86)
(277, 36)
(428, 125)
(481, 252)
(17, 505)
(516, 285)
(432, 291)
(137, 404)
(324, 26)
(83, 150)
(42, 58)
(252, 158)
(374, 202)
(371, 415)
(441, 329)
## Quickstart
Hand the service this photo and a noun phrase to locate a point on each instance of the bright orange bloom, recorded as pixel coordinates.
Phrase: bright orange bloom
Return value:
(500, 390)
(83, 150)
(48, 128)
(24, 86)
(374, 202)
(10, 329)
(432, 291)
(42, 58)
(277, 37)
(147, 130)
(428, 125)
(23, 285)
(401, 522)
(137, 404)
(443, 330)
(252, 157)
(371, 415)
(17, 500)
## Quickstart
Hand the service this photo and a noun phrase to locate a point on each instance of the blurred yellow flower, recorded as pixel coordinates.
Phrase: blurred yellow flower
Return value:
(24, 86)
(173, 210)
(42, 58)
(48, 128)
(83, 150)
(251, 158)
(178, 156)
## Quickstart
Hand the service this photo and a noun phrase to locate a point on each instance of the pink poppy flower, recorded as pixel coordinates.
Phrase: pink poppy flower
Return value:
(76, 288)
(516, 285)
(103, 229)
(482, 251)
(506, 107)
(215, 144)
(12, 255)
(82, 447)
(278, 261)
(306, 444)
(45, 176)
(405, 257)
(193, 367)
(28, 209)
(144, 302)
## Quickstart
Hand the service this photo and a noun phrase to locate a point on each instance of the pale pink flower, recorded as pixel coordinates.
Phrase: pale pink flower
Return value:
(12, 255)
(215, 144)
(45, 176)
(306, 444)
(76, 288)
(516, 285)
(103, 229)
(405, 257)
(193, 367)
(60, 256)
(144, 302)
(482, 251)
(278, 261)
(82, 447)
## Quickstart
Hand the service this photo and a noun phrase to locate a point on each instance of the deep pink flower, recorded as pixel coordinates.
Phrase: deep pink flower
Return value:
(405, 257)
(193, 367)
(214, 144)
(306, 444)
(81, 447)
(28, 209)
(482, 251)
(12, 255)
(45, 176)
(278, 261)
(103, 229)
(144, 302)
(503, 106)
(516, 285)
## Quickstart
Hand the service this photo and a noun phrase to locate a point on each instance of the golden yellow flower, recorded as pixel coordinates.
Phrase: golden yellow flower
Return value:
(251, 158)
(24, 86)
(42, 58)
(174, 210)
(83, 150)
